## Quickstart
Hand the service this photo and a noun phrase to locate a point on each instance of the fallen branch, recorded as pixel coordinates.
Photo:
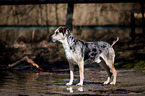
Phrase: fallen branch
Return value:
(33, 63)
(25, 59)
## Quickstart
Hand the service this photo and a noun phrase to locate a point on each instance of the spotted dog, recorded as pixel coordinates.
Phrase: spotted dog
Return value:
(80, 53)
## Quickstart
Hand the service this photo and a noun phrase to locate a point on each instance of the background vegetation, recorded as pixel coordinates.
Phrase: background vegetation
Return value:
(17, 43)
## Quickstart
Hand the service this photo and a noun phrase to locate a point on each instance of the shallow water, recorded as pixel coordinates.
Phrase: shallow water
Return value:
(31, 83)
(27, 83)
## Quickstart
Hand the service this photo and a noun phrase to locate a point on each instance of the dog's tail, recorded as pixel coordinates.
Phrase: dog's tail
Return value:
(115, 41)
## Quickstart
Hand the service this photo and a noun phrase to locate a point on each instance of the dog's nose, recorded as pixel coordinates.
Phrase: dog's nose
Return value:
(51, 38)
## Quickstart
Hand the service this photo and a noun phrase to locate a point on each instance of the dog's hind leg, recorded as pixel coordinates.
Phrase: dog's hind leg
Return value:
(109, 60)
(71, 73)
(107, 69)
(113, 70)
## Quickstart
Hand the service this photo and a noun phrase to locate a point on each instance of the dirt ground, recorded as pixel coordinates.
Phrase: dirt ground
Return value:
(129, 82)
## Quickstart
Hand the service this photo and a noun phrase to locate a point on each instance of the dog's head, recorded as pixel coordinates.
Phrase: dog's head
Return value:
(60, 34)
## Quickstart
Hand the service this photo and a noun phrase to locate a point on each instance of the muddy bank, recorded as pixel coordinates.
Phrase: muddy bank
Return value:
(51, 55)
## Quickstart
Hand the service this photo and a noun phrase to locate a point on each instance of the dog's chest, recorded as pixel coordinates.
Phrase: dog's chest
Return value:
(70, 55)
(73, 52)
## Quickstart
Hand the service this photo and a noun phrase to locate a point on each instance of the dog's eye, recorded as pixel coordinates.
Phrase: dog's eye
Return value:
(56, 32)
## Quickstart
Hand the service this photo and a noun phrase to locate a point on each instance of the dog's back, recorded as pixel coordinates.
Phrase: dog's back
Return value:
(94, 49)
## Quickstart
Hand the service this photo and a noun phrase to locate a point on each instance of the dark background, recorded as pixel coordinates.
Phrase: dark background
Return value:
(25, 30)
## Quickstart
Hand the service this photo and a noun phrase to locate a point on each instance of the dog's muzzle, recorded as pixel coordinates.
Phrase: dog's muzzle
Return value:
(53, 40)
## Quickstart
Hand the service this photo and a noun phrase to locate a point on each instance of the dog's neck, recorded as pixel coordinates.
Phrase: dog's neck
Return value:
(69, 41)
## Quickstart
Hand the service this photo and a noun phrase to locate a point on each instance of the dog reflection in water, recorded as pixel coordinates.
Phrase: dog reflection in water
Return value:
(70, 89)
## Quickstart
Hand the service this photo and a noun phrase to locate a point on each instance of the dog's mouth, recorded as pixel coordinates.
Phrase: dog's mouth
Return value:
(54, 40)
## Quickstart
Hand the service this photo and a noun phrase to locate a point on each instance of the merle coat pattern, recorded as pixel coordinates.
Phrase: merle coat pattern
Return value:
(80, 53)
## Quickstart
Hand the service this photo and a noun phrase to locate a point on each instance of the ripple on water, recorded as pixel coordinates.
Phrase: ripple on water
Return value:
(50, 81)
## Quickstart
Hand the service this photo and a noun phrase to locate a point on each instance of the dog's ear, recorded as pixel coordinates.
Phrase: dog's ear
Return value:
(67, 32)
(61, 30)
(64, 30)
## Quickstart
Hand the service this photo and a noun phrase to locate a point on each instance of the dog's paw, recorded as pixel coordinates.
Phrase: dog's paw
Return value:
(113, 83)
(80, 84)
(106, 82)
(68, 84)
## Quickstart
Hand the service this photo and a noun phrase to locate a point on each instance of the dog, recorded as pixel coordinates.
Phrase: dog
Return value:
(80, 53)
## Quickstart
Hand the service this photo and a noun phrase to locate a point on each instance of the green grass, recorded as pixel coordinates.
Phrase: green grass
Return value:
(139, 65)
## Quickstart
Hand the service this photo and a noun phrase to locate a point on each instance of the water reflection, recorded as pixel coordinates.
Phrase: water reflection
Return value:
(30, 83)
(81, 89)
(70, 89)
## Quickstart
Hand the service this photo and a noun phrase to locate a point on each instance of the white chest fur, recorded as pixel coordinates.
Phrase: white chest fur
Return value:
(69, 54)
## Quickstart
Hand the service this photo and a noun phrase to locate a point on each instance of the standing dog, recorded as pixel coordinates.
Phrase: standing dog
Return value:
(78, 52)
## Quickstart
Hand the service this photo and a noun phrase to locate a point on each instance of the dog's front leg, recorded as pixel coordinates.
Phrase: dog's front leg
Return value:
(71, 74)
(81, 71)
